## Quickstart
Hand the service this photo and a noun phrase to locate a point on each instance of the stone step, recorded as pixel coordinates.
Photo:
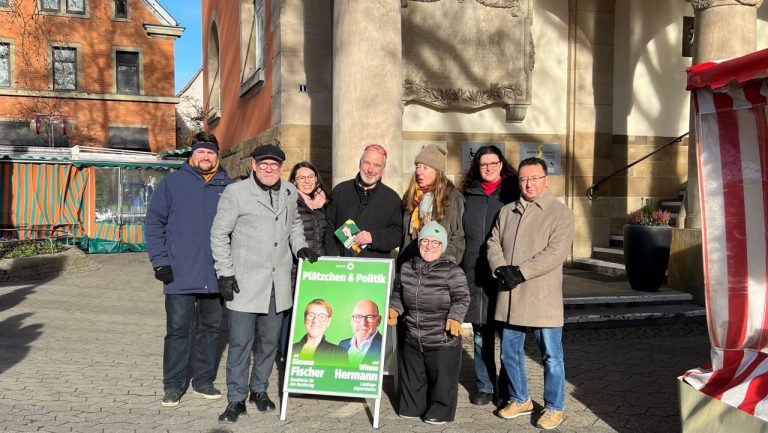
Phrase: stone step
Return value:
(632, 297)
(609, 254)
(616, 241)
(613, 314)
(600, 266)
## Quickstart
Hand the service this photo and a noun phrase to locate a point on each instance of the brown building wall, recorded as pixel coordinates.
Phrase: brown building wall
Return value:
(245, 116)
(94, 106)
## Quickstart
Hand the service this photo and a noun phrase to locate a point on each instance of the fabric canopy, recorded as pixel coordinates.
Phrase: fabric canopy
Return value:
(732, 138)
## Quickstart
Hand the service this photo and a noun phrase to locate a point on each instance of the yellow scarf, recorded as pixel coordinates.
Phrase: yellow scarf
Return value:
(416, 222)
(207, 175)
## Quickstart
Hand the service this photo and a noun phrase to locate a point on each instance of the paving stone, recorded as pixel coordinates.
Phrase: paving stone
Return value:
(83, 353)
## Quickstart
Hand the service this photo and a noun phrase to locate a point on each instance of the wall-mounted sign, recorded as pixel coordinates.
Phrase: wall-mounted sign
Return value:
(549, 152)
(468, 149)
(302, 88)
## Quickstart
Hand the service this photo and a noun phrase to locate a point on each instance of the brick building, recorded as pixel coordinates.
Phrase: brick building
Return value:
(87, 72)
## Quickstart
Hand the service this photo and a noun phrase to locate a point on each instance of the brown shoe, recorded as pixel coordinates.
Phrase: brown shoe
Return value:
(515, 409)
(550, 419)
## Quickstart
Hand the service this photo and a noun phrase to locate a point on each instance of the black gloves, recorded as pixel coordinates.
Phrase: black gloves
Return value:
(228, 287)
(164, 274)
(307, 254)
(510, 276)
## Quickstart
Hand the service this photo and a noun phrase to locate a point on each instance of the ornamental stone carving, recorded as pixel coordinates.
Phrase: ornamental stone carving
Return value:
(468, 55)
(705, 4)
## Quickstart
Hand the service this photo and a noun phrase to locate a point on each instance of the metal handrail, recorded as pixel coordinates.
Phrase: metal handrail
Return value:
(595, 187)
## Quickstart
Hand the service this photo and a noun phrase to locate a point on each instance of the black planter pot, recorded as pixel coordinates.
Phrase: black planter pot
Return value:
(646, 255)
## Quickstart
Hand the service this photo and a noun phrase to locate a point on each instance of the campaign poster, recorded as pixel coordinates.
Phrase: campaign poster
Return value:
(338, 327)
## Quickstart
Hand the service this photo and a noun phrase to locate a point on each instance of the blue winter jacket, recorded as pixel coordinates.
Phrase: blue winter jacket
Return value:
(178, 228)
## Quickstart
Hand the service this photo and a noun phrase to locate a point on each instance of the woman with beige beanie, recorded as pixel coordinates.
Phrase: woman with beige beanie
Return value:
(432, 197)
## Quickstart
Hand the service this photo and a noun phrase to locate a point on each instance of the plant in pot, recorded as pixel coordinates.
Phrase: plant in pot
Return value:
(647, 237)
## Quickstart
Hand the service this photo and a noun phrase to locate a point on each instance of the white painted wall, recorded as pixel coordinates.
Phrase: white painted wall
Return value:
(547, 113)
(649, 76)
(649, 96)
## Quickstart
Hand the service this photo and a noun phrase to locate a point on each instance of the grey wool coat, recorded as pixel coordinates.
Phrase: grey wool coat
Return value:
(538, 239)
(254, 241)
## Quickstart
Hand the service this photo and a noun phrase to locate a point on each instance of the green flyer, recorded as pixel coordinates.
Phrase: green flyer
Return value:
(338, 326)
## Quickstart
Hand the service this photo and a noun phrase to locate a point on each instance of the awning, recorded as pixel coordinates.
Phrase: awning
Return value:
(732, 138)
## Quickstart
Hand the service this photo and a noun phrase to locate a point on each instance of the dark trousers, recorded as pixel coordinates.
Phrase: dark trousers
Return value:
(191, 322)
(257, 333)
(429, 382)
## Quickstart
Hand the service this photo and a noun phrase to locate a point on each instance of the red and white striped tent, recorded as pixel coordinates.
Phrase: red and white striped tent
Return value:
(732, 137)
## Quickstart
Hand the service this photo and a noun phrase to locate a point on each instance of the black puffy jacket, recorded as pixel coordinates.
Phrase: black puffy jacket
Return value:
(480, 212)
(314, 224)
(426, 295)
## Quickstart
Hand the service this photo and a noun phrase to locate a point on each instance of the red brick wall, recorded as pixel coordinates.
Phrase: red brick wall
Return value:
(96, 37)
(241, 117)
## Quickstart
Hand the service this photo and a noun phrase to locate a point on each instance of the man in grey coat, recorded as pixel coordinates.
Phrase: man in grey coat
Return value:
(529, 242)
(257, 226)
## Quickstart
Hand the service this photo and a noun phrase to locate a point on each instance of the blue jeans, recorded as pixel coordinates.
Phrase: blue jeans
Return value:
(485, 357)
(192, 322)
(551, 348)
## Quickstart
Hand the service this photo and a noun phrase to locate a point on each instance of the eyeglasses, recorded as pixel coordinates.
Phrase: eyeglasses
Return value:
(434, 243)
(310, 178)
(376, 148)
(484, 165)
(322, 317)
(531, 179)
(370, 318)
(270, 165)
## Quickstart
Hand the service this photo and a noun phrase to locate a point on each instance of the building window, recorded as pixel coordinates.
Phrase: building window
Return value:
(50, 5)
(251, 43)
(64, 69)
(62, 6)
(128, 137)
(76, 6)
(5, 64)
(214, 78)
(127, 72)
(121, 9)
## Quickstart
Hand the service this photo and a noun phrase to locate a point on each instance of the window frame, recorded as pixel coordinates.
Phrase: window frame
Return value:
(127, 10)
(116, 51)
(62, 8)
(213, 69)
(252, 43)
(77, 66)
(11, 63)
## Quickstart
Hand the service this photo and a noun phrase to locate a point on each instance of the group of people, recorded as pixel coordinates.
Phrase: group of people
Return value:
(489, 253)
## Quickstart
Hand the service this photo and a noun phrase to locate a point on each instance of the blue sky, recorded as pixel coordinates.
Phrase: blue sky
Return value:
(189, 48)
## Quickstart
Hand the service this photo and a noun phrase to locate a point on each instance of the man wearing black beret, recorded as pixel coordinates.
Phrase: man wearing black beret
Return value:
(256, 230)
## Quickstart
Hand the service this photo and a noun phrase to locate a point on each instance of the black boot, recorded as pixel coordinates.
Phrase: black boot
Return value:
(233, 411)
(262, 401)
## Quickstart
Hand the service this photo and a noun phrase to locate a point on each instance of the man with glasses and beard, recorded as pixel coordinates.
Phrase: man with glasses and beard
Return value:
(374, 207)
(257, 227)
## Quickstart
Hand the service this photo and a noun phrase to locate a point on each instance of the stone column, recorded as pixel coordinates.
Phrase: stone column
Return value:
(723, 29)
(367, 85)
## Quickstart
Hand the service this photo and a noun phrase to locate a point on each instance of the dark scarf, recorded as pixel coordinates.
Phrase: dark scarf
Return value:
(269, 189)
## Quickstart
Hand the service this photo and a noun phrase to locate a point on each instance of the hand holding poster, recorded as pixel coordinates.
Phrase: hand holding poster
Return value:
(337, 330)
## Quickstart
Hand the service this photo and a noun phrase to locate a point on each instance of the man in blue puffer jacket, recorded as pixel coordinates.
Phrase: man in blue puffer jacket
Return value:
(178, 228)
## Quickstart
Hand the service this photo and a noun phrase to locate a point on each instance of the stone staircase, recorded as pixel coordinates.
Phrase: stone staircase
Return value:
(597, 292)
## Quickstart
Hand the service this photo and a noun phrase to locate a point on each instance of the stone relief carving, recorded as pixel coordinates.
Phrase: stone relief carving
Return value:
(704, 4)
(468, 54)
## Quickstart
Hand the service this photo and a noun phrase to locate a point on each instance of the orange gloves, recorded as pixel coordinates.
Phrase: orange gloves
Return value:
(453, 327)
(392, 320)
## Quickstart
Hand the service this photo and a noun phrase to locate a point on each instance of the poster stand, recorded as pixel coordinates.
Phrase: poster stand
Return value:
(340, 305)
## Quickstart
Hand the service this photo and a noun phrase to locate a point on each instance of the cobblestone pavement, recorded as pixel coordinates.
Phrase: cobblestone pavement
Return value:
(83, 353)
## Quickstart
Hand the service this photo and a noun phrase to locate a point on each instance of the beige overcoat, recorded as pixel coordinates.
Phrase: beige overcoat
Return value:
(538, 239)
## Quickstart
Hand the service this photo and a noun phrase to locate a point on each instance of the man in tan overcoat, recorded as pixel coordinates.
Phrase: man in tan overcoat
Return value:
(530, 241)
